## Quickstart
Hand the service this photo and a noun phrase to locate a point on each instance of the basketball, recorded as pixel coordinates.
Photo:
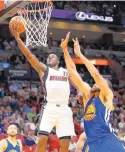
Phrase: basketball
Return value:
(18, 23)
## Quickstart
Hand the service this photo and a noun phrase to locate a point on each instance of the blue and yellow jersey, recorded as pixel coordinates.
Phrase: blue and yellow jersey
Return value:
(97, 120)
(11, 148)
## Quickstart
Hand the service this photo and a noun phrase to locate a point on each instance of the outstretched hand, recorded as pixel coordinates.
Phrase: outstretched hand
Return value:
(13, 30)
(76, 47)
(64, 43)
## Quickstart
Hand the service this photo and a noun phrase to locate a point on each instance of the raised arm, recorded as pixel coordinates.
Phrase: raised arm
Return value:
(38, 66)
(74, 76)
(100, 81)
(64, 44)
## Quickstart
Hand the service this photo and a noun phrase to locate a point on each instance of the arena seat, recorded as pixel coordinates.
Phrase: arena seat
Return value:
(26, 148)
(33, 148)
(2, 136)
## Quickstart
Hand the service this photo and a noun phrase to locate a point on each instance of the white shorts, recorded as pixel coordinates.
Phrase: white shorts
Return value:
(57, 116)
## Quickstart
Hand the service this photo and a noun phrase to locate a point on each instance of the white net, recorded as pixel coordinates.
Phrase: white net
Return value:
(37, 16)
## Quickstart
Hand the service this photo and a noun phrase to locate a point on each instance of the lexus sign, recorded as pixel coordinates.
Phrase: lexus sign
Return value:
(81, 16)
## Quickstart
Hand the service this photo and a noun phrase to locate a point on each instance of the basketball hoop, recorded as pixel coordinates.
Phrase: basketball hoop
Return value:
(37, 14)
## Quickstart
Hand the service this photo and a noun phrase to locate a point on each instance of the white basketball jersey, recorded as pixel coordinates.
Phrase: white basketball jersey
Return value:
(57, 86)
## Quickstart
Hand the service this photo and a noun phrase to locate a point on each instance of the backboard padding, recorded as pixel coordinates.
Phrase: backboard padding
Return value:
(11, 10)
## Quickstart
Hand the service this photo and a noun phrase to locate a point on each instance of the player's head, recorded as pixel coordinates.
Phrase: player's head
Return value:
(96, 88)
(53, 60)
(12, 130)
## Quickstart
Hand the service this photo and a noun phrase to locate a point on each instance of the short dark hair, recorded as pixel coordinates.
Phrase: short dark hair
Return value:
(15, 124)
(75, 115)
(55, 53)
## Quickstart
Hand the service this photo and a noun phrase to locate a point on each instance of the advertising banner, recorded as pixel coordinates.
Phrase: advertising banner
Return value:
(20, 74)
(84, 17)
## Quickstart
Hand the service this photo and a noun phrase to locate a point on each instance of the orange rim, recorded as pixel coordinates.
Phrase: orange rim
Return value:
(22, 10)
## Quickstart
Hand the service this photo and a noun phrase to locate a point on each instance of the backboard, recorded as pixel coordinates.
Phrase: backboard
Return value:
(10, 8)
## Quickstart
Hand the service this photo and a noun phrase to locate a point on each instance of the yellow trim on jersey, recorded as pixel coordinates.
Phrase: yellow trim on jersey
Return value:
(87, 148)
(108, 107)
(85, 101)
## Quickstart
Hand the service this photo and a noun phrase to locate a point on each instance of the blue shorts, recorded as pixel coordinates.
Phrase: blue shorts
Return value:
(109, 143)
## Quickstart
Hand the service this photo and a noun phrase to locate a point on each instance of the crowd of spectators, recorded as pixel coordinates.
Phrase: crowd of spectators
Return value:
(11, 45)
(21, 103)
(105, 8)
(18, 61)
(99, 46)
(120, 60)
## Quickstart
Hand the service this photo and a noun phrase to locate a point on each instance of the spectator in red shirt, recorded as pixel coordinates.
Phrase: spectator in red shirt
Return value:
(53, 143)
(77, 126)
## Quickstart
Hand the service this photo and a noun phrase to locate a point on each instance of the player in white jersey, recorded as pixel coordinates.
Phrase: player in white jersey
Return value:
(56, 112)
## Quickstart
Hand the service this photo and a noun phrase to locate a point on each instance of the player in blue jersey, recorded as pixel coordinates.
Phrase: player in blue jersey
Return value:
(11, 144)
(98, 105)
